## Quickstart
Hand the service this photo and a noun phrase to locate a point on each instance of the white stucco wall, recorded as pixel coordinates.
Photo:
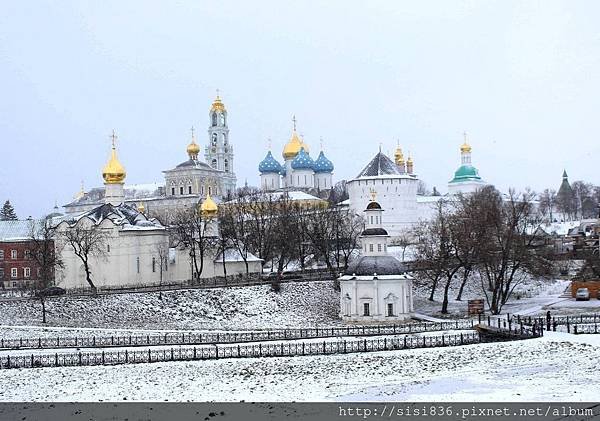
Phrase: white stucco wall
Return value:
(378, 293)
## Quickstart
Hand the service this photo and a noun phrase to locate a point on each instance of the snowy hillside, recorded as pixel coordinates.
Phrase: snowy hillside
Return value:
(296, 305)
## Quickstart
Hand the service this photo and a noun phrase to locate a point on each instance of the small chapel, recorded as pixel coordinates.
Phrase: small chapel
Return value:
(376, 286)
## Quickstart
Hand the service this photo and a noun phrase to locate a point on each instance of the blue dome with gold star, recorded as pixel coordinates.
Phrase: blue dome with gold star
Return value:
(322, 164)
(303, 161)
(269, 165)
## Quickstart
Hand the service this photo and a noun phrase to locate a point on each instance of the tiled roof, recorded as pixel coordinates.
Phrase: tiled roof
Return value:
(380, 165)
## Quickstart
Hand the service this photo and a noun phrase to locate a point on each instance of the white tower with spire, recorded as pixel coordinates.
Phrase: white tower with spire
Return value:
(219, 150)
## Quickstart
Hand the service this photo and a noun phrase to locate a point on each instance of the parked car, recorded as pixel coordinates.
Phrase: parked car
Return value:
(582, 294)
(52, 291)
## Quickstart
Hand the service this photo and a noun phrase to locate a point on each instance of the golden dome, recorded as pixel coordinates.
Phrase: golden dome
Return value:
(217, 104)
(399, 156)
(209, 207)
(141, 208)
(294, 145)
(409, 160)
(113, 172)
(193, 149)
(465, 147)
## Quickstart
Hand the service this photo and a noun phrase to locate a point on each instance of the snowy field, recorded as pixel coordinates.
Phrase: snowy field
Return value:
(519, 371)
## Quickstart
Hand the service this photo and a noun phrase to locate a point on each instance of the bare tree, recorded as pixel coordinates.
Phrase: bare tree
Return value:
(191, 232)
(506, 231)
(162, 252)
(46, 253)
(87, 241)
(547, 203)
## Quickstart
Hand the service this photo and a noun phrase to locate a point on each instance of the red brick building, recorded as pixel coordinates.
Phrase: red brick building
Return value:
(17, 268)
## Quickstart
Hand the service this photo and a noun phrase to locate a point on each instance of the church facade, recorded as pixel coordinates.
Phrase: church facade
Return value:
(185, 184)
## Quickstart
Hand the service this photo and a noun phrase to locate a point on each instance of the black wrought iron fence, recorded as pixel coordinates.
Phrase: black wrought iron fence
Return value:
(208, 352)
(229, 337)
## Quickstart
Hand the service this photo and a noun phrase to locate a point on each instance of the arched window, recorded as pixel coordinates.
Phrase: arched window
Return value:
(214, 139)
(209, 190)
(222, 119)
(226, 162)
(214, 163)
(214, 119)
(224, 139)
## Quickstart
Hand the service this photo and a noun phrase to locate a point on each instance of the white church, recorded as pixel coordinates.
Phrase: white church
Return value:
(375, 287)
(134, 249)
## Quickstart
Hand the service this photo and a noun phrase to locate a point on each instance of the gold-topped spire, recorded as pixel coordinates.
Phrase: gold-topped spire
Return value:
(398, 155)
(193, 149)
(465, 147)
(291, 149)
(113, 172)
(217, 104)
(208, 208)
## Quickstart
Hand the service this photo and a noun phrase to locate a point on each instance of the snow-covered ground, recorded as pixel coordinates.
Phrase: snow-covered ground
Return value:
(306, 304)
(515, 371)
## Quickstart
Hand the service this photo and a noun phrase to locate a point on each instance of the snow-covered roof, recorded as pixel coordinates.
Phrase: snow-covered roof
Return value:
(560, 228)
(132, 192)
(15, 230)
(380, 165)
(294, 195)
(123, 215)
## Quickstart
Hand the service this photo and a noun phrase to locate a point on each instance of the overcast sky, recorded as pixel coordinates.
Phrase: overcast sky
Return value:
(522, 78)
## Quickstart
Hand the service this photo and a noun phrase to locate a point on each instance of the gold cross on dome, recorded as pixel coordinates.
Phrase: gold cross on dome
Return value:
(218, 92)
(192, 130)
(465, 136)
(269, 143)
(294, 120)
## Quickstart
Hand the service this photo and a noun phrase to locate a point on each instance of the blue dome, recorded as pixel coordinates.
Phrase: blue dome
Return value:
(269, 165)
(303, 161)
(322, 164)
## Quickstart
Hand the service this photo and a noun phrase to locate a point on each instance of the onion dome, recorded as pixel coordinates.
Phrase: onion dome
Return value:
(322, 164)
(269, 165)
(113, 172)
(217, 105)
(399, 156)
(464, 173)
(193, 149)
(208, 207)
(303, 161)
(141, 208)
(291, 149)
(465, 147)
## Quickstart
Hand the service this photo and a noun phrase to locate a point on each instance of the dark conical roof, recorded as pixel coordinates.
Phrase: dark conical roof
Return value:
(380, 165)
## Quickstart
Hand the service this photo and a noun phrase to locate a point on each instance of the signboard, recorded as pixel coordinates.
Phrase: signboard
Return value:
(476, 306)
